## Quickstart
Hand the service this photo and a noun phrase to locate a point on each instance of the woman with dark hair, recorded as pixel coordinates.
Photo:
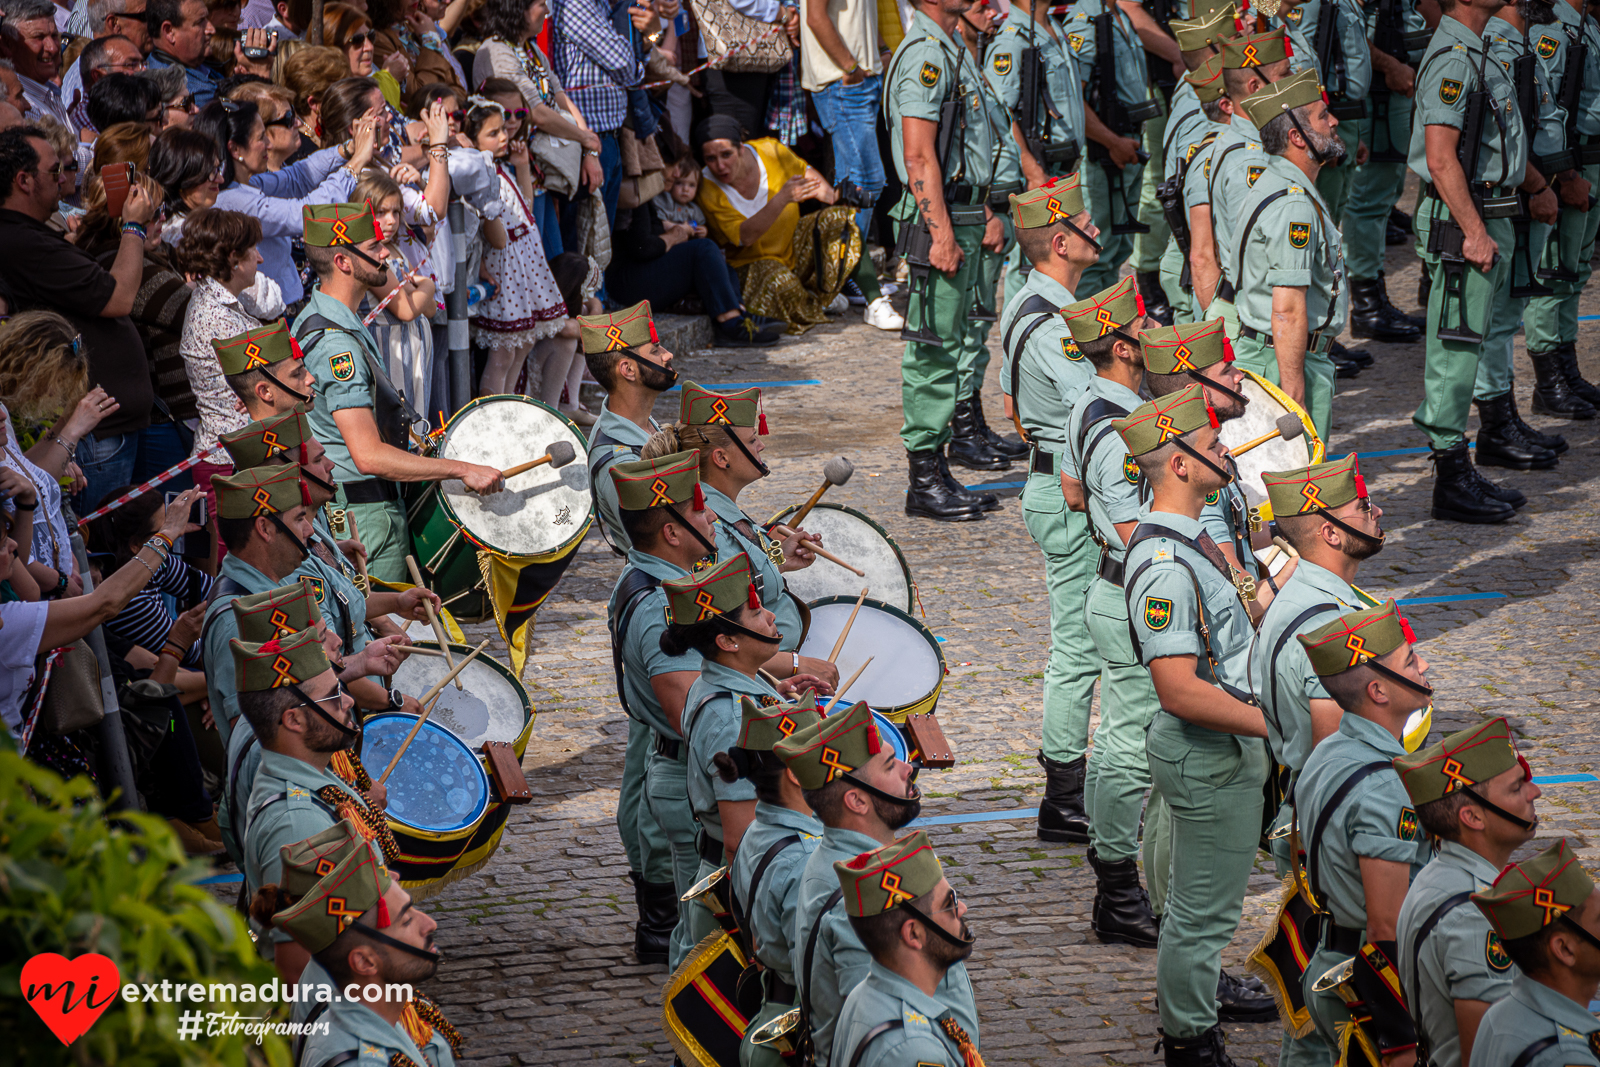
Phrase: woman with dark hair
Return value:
(276, 104)
(188, 166)
(277, 198)
(751, 195)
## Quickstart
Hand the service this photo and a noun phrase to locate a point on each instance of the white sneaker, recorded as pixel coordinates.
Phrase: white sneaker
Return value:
(881, 313)
(840, 305)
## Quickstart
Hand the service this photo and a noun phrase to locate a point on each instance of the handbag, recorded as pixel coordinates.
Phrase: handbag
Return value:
(723, 29)
(72, 699)
(560, 160)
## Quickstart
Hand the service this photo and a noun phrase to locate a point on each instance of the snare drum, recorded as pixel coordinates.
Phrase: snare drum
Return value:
(907, 669)
(849, 534)
(1267, 404)
(540, 516)
(491, 705)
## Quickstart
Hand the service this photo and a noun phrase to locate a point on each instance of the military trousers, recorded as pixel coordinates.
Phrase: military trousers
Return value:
(1149, 247)
(1494, 364)
(1450, 368)
(1069, 674)
(1157, 848)
(381, 527)
(641, 835)
(1376, 185)
(975, 358)
(700, 919)
(1112, 197)
(930, 373)
(1212, 784)
(667, 793)
(1551, 321)
(1261, 359)
(1119, 769)
(1184, 306)
(1334, 182)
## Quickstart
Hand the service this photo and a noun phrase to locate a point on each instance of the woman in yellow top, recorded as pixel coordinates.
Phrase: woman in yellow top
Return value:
(791, 266)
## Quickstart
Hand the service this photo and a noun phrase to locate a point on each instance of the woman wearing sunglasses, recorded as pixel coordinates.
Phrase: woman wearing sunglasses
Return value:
(276, 105)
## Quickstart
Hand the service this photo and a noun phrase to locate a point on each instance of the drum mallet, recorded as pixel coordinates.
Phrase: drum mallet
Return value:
(851, 621)
(836, 471)
(558, 454)
(433, 616)
(1289, 427)
(427, 702)
(812, 546)
(837, 693)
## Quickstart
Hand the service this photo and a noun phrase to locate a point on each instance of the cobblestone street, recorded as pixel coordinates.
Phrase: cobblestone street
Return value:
(538, 966)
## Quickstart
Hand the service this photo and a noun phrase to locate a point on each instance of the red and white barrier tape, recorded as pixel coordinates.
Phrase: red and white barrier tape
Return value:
(140, 490)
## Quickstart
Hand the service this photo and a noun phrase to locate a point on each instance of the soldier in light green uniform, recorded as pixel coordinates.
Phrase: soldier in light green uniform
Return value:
(1347, 79)
(1042, 373)
(265, 371)
(1474, 795)
(863, 795)
(1362, 839)
(930, 68)
(663, 512)
(1112, 170)
(358, 413)
(1546, 913)
(766, 869)
(1551, 322)
(1289, 260)
(912, 922)
(1154, 23)
(1462, 295)
(1191, 628)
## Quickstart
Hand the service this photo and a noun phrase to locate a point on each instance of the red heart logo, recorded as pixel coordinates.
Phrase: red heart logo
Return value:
(67, 994)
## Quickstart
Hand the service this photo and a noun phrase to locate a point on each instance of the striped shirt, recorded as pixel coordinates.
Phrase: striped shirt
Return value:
(147, 619)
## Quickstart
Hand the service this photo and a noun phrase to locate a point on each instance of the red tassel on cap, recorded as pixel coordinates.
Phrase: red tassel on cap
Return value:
(761, 417)
(1288, 52)
(1527, 771)
(1211, 413)
(377, 227)
(305, 493)
(653, 338)
(874, 742)
(1138, 302)
(699, 498)
(294, 346)
(383, 914)
(1405, 628)
(1227, 349)
(272, 646)
(1361, 485)
(754, 600)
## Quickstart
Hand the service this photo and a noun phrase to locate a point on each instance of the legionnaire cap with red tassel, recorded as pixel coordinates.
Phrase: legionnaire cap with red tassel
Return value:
(701, 407)
(1206, 30)
(721, 590)
(828, 748)
(1285, 94)
(1256, 50)
(762, 726)
(1207, 82)
(1165, 419)
(331, 225)
(257, 348)
(353, 886)
(1055, 201)
(1107, 311)
(1356, 639)
(265, 439)
(305, 863)
(1185, 346)
(279, 662)
(1322, 485)
(1530, 895)
(1462, 760)
(654, 483)
(897, 873)
(280, 612)
(629, 328)
(261, 491)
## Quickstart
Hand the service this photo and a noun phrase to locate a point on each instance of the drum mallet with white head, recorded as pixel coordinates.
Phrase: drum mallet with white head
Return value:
(836, 471)
(1289, 427)
(558, 454)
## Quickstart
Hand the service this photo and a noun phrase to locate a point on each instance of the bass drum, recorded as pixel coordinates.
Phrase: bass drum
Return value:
(540, 516)
(491, 705)
(907, 670)
(1267, 405)
(849, 534)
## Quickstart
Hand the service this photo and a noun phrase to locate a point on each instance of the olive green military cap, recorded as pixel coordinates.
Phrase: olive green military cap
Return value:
(761, 727)
(305, 863)
(278, 662)
(1285, 94)
(257, 348)
(1110, 309)
(1185, 346)
(629, 328)
(1206, 29)
(354, 886)
(1463, 759)
(722, 589)
(1322, 485)
(1531, 895)
(1356, 637)
(284, 434)
(329, 225)
(896, 873)
(1055, 201)
(1162, 420)
(261, 491)
(1256, 50)
(654, 483)
(280, 612)
(702, 407)
(821, 752)
(1207, 80)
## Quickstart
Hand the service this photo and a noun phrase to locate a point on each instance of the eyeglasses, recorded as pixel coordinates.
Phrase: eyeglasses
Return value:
(54, 172)
(456, 117)
(520, 114)
(338, 694)
(286, 120)
(187, 104)
(358, 39)
(127, 65)
(67, 168)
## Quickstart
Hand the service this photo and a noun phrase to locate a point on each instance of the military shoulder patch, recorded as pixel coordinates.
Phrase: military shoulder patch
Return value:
(1130, 470)
(1293, 16)
(1408, 828)
(929, 76)
(1546, 47)
(1212, 498)
(1076, 41)
(1157, 612)
(321, 589)
(1299, 234)
(1594, 1042)
(1002, 63)
(1449, 90)
(343, 366)
(1069, 348)
(1495, 953)
(1252, 173)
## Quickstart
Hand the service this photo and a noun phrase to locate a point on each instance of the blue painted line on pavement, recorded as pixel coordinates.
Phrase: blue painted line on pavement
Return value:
(221, 879)
(994, 485)
(1564, 779)
(1418, 451)
(1456, 599)
(728, 387)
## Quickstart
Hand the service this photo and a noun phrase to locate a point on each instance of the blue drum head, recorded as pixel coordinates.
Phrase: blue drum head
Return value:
(888, 731)
(438, 786)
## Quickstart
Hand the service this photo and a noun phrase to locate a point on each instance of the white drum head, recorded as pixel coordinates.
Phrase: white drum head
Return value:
(904, 669)
(1261, 417)
(851, 536)
(539, 510)
(485, 708)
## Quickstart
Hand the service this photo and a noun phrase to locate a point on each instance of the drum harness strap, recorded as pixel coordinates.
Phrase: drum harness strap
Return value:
(1243, 238)
(1101, 410)
(1528, 1054)
(632, 589)
(1277, 650)
(299, 1046)
(1313, 843)
(235, 807)
(602, 439)
(810, 955)
(1143, 532)
(872, 1035)
(739, 910)
(1414, 996)
(390, 409)
(1042, 308)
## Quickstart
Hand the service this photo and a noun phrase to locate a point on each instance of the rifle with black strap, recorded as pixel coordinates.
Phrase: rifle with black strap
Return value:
(1389, 37)
(1118, 118)
(1331, 62)
(1567, 98)
(1170, 195)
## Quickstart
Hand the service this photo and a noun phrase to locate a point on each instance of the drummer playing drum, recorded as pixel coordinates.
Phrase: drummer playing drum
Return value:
(358, 413)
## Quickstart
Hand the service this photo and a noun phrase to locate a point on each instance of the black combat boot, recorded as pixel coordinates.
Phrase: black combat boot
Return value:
(1553, 441)
(1008, 446)
(981, 501)
(1370, 317)
(929, 497)
(1121, 907)
(968, 447)
(1156, 304)
(1210, 1049)
(1552, 395)
(1503, 493)
(1395, 313)
(1061, 815)
(1244, 999)
(1500, 439)
(1459, 496)
(657, 903)
(1575, 379)
(1359, 356)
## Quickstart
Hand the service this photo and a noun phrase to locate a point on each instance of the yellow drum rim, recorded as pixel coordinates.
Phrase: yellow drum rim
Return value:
(1318, 449)
(922, 705)
(519, 744)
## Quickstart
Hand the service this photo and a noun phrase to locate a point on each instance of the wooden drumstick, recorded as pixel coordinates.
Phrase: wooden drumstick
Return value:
(433, 616)
(418, 650)
(851, 621)
(559, 454)
(836, 471)
(427, 702)
(839, 692)
(819, 550)
(1289, 427)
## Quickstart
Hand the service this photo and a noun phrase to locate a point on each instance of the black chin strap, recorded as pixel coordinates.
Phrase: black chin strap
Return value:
(916, 796)
(1586, 935)
(771, 640)
(1211, 383)
(385, 939)
(277, 520)
(350, 733)
(1311, 146)
(327, 487)
(304, 398)
(1478, 798)
(1351, 530)
(754, 462)
(373, 263)
(637, 358)
(1092, 243)
(958, 942)
(1396, 676)
(1225, 475)
(711, 548)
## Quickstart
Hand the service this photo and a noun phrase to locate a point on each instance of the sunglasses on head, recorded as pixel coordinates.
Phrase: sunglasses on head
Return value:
(187, 104)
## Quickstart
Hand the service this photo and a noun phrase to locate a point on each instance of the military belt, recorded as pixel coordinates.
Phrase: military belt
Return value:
(1344, 940)
(369, 491)
(1588, 151)
(779, 991)
(1492, 201)
(965, 215)
(1042, 462)
(1000, 195)
(1110, 570)
(1346, 110)
(1317, 343)
(670, 748)
(710, 849)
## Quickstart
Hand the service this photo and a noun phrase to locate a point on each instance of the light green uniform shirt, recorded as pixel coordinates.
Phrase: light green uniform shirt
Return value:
(1351, 75)
(354, 1027)
(1186, 128)
(1412, 24)
(1063, 94)
(771, 913)
(886, 997)
(1506, 45)
(1049, 371)
(1461, 959)
(629, 440)
(1111, 484)
(1294, 242)
(1571, 23)
(1449, 73)
(926, 68)
(642, 658)
(1008, 161)
(1532, 1013)
(711, 719)
(774, 592)
(1301, 29)
(1133, 79)
(1232, 167)
(343, 377)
